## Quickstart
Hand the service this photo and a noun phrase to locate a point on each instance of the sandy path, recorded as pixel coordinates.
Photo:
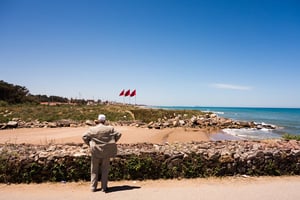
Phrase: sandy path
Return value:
(233, 188)
(73, 135)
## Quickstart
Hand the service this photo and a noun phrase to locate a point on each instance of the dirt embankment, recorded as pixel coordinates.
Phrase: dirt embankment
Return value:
(129, 135)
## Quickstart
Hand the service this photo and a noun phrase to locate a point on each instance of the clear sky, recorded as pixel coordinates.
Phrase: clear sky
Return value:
(173, 52)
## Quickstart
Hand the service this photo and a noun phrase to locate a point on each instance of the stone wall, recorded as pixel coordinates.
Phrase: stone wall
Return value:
(31, 163)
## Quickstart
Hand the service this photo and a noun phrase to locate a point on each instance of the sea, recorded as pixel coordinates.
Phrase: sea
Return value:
(286, 120)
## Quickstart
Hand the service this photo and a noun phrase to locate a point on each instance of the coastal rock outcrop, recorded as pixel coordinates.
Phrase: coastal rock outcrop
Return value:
(208, 120)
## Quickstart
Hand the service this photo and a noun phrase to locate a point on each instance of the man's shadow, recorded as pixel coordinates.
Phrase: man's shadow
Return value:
(121, 188)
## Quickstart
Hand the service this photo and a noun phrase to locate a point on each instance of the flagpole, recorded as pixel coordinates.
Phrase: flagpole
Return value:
(133, 94)
(127, 94)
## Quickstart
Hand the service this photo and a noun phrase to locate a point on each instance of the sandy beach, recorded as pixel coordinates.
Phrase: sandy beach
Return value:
(129, 135)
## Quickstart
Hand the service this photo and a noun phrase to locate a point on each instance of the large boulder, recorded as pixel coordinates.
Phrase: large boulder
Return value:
(64, 123)
(52, 125)
(12, 124)
(89, 122)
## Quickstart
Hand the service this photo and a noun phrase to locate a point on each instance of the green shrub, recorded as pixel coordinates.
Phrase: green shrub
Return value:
(291, 137)
(3, 103)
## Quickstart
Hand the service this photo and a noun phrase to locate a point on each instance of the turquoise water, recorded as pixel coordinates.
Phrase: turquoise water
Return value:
(287, 120)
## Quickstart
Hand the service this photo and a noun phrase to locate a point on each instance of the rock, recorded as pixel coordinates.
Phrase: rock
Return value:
(89, 122)
(296, 152)
(259, 127)
(176, 123)
(193, 120)
(79, 154)
(245, 124)
(213, 115)
(226, 122)
(2, 125)
(52, 125)
(166, 124)
(12, 124)
(226, 159)
(157, 126)
(151, 123)
(51, 148)
(181, 122)
(64, 123)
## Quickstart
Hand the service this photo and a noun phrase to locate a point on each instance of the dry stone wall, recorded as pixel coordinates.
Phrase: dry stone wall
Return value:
(29, 163)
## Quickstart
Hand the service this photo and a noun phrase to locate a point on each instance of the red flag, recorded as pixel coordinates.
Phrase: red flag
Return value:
(127, 93)
(122, 93)
(133, 93)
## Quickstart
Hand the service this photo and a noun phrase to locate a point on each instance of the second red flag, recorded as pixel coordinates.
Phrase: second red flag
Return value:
(127, 93)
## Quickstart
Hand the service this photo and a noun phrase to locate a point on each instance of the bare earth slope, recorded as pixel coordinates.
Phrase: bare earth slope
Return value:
(73, 135)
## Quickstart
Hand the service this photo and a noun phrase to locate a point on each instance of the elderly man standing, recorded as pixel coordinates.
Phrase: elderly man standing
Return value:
(102, 141)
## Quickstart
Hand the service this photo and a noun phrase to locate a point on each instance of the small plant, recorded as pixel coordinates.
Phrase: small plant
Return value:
(291, 137)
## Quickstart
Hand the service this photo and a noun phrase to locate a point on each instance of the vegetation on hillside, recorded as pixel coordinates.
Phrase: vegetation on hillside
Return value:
(17, 102)
(114, 112)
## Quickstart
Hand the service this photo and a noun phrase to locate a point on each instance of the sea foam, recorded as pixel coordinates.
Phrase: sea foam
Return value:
(251, 133)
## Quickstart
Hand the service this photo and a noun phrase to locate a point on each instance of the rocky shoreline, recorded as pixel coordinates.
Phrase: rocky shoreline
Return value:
(209, 120)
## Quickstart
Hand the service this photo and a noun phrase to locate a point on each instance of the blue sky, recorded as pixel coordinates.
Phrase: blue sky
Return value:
(206, 53)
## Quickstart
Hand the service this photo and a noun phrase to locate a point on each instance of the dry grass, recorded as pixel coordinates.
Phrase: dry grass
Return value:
(116, 112)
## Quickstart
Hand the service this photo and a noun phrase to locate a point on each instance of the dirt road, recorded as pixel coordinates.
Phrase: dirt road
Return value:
(237, 188)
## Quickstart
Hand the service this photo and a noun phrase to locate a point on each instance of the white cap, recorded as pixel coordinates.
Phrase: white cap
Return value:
(101, 117)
